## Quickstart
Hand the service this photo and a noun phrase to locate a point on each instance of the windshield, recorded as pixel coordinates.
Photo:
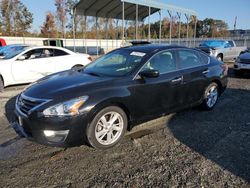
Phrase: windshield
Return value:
(117, 63)
(213, 44)
(13, 51)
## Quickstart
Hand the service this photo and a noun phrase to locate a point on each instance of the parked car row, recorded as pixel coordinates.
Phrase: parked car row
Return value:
(25, 64)
(226, 50)
(223, 50)
(96, 105)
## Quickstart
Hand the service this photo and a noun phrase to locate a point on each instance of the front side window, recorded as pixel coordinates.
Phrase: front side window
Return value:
(33, 54)
(116, 63)
(164, 62)
(189, 59)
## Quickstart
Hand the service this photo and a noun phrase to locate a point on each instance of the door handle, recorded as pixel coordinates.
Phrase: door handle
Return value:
(176, 79)
(205, 71)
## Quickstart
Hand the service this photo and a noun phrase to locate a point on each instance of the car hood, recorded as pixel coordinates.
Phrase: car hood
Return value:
(71, 83)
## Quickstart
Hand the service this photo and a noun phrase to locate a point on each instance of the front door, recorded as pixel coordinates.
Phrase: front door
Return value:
(37, 64)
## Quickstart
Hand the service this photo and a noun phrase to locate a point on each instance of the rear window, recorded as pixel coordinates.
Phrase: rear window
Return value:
(59, 52)
(190, 58)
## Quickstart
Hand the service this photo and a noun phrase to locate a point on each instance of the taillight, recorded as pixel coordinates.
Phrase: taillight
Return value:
(90, 58)
(225, 69)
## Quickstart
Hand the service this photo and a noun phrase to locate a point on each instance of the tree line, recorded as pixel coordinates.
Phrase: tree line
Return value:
(17, 20)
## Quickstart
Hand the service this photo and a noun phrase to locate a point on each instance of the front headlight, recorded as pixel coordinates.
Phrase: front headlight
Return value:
(68, 108)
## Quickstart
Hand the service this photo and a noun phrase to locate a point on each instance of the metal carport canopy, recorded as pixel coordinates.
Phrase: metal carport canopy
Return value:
(114, 8)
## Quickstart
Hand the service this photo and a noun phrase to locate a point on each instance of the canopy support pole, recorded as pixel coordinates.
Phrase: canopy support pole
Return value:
(85, 35)
(149, 32)
(97, 36)
(123, 17)
(106, 34)
(160, 27)
(74, 32)
(170, 28)
(117, 33)
(195, 27)
(136, 23)
(179, 27)
(187, 17)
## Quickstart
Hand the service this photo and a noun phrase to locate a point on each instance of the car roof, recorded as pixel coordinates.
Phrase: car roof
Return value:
(152, 47)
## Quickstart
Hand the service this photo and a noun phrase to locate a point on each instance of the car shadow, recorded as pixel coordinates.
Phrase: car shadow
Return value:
(231, 74)
(221, 135)
(10, 109)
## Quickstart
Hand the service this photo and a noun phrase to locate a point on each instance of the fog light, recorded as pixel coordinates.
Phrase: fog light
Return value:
(56, 136)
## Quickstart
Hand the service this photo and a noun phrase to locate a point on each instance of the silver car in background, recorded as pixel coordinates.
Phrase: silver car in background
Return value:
(242, 64)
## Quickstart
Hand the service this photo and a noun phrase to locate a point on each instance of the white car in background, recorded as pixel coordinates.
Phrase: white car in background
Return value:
(32, 63)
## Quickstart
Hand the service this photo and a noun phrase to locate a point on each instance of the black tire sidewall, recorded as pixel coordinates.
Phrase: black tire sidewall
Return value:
(204, 104)
(1, 85)
(219, 58)
(90, 133)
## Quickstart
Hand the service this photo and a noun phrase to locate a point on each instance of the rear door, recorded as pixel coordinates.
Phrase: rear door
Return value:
(37, 64)
(194, 68)
(63, 60)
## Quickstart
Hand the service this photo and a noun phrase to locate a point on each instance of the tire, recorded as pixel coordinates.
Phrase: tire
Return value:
(211, 96)
(102, 133)
(219, 57)
(1, 85)
(77, 67)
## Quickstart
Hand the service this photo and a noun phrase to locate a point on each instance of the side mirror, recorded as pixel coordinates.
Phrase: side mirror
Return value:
(149, 73)
(21, 58)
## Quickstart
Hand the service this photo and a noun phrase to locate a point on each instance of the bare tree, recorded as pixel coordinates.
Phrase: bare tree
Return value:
(15, 17)
(49, 27)
(61, 15)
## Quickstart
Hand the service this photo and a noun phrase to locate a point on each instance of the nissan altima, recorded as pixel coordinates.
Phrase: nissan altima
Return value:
(97, 104)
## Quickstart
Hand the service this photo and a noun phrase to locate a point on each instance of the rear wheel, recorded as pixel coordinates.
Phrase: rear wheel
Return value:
(77, 67)
(1, 85)
(107, 128)
(219, 57)
(211, 96)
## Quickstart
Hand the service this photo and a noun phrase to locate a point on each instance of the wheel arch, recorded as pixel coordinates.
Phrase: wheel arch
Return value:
(221, 55)
(1, 77)
(219, 85)
(108, 103)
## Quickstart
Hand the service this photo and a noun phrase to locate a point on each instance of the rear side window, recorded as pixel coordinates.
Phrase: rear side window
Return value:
(204, 58)
(59, 52)
(189, 59)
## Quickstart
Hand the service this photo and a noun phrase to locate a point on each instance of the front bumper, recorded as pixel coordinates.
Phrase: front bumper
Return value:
(52, 131)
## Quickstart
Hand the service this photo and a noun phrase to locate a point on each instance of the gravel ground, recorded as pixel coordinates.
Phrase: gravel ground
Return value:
(192, 148)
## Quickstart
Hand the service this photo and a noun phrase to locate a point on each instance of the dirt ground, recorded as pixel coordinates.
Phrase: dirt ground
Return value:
(192, 148)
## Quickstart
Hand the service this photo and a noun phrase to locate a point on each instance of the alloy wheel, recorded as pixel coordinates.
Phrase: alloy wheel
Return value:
(212, 96)
(109, 128)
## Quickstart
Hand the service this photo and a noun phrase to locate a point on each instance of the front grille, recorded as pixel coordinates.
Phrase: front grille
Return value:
(26, 104)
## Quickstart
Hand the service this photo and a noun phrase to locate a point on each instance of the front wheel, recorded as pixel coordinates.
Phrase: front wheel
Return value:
(211, 96)
(107, 128)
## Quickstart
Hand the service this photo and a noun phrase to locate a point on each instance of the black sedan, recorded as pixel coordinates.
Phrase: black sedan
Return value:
(96, 105)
